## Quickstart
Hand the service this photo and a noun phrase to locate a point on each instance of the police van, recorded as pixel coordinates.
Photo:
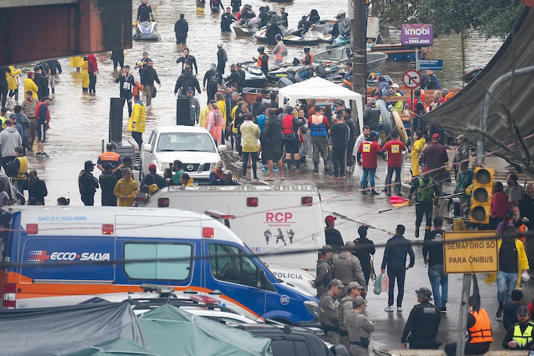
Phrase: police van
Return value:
(267, 218)
(63, 254)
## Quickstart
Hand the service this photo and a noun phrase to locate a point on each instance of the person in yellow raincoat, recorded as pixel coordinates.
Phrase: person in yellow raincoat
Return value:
(204, 115)
(76, 62)
(221, 103)
(418, 145)
(29, 85)
(137, 121)
(85, 77)
(126, 189)
(13, 83)
(512, 263)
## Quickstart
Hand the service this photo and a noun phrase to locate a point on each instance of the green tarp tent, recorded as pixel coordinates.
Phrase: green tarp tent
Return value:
(170, 331)
(117, 347)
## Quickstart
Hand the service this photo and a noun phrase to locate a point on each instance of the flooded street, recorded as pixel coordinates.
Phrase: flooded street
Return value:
(80, 122)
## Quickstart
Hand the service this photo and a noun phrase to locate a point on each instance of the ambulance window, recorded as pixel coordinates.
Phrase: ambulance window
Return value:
(164, 270)
(229, 264)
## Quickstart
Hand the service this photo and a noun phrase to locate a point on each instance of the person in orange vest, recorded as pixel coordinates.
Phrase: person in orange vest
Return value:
(262, 60)
(308, 57)
(479, 328)
(280, 51)
(111, 157)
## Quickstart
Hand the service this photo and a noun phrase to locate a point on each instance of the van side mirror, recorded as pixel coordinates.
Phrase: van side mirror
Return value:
(147, 147)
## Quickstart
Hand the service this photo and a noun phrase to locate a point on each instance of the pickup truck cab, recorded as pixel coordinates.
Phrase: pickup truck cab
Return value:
(192, 145)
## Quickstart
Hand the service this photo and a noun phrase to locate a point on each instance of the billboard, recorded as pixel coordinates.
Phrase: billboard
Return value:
(417, 34)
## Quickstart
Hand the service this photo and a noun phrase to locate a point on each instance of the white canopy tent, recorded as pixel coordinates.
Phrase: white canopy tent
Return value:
(319, 88)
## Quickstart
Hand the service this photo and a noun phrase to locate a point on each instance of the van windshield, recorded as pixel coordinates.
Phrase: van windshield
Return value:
(185, 141)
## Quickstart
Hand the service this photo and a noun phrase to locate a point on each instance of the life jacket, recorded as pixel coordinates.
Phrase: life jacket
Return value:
(524, 338)
(425, 192)
(318, 129)
(522, 229)
(260, 62)
(110, 157)
(218, 174)
(37, 111)
(137, 88)
(262, 59)
(287, 125)
(308, 59)
(23, 168)
(481, 331)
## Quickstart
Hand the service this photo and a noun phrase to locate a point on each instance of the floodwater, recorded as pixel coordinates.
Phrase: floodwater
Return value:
(80, 121)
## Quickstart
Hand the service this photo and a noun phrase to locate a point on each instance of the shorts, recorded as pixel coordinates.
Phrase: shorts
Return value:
(291, 145)
(41, 132)
(274, 153)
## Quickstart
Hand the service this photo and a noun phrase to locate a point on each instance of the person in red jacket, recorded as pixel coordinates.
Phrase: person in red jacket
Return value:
(394, 148)
(499, 205)
(92, 68)
(367, 153)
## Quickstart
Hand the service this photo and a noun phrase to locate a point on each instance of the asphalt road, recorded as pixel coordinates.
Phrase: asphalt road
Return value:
(342, 199)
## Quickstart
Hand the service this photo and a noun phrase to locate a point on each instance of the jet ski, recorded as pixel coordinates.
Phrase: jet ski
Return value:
(254, 77)
(310, 38)
(147, 31)
(247, 29)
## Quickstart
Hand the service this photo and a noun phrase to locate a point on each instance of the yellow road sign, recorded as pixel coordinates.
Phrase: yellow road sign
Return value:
(472, 256)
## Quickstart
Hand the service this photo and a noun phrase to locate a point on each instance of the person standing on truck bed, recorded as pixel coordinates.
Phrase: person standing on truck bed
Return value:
(126, 188)
(325, 271)
(111, 157)
(88, 184)
(332, 235)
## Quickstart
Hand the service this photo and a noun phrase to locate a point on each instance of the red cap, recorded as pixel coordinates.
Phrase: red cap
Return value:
(330, 219)
(152, 167)
(435, 136)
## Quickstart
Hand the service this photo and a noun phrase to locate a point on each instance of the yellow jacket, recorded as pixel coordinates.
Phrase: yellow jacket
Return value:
(234, 129)
(29, 84)
(418, 146)
(138, 120)
(189, 183)
(85, 74)
(250, 133)
(125, 191)
(203, 116)
(11, 78)
(76, 62)
(222, 107)
(522, 261)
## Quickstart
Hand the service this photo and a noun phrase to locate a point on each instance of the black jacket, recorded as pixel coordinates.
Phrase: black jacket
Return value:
(422, 326)
(272, 132)
(42, 85)
(333, 238)
(181, 27)
(143, 13)
(210, 79)
(395, 253)
(149, 76)
(339, 133)
(191, 60)
(126, 84)
(88, 183)
(107, 184)
(226, 21)
(186, 80)
(3, 79)
(364, 249)
(222, 58)
(433, 248)
(36, 192)
(54, 66)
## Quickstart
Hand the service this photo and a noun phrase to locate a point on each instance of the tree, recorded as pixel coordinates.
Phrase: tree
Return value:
(492, 18)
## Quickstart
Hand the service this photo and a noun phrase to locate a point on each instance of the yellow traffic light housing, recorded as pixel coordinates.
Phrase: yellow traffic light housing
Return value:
(481, 195)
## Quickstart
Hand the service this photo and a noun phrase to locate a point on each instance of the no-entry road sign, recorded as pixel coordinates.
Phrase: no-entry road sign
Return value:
(412, 78)
(470, 256)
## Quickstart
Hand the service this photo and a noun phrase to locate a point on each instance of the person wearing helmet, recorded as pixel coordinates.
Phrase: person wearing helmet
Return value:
(262, 60)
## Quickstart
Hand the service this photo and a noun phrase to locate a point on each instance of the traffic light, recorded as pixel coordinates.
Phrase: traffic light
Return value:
(481, 195)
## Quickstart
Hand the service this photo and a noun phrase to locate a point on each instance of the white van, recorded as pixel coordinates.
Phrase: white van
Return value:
(267, 218)
(65, 253)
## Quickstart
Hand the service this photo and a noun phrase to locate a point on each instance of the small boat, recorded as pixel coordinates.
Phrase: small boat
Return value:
(147, 31)
(395, 52)
(310, 38)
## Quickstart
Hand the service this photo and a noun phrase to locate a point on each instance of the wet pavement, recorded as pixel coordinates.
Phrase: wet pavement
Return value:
(80, 123)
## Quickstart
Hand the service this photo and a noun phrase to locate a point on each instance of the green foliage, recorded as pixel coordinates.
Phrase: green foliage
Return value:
(492, 18)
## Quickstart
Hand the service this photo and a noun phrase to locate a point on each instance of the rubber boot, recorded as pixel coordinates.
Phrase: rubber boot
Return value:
(288, 161)
(417, 231)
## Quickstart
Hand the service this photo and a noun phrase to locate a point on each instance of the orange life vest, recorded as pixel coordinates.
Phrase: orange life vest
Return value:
(308, 57)
(481, 331)
(110, 156)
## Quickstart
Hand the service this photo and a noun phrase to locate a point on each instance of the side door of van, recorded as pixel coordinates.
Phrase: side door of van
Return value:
(235, 275)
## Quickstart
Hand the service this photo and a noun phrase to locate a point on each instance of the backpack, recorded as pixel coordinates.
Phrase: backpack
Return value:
(287, 125)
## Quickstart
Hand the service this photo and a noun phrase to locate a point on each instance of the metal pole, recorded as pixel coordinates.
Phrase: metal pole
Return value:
(417, 64)
(485, 106)
(463, 55)
(462, 320)
(359, 48)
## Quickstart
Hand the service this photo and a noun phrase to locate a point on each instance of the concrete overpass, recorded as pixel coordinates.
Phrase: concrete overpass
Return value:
(39, 29)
